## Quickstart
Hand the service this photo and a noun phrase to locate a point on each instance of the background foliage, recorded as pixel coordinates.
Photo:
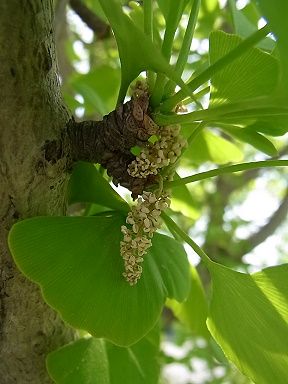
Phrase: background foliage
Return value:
(237, 218)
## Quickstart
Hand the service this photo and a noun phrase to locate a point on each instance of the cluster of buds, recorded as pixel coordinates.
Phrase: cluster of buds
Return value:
(143, 220)
(162, 153)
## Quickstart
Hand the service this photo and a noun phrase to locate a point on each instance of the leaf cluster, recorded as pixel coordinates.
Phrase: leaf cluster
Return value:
(235, 95)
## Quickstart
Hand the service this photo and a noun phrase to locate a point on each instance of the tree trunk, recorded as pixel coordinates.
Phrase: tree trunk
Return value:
(31, 112)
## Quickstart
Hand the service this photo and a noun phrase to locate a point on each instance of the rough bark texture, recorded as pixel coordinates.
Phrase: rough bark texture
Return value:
(39, 141)
(109, 141)
(31, 112)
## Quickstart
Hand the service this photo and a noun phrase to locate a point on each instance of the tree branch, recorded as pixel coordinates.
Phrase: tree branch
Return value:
(108, 142)
(98, 26)
(268, 229)
(225, 186)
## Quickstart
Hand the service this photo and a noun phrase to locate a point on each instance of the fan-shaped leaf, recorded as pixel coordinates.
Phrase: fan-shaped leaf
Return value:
(86, 185)
(244, 27)
(252, 137)
(275, 126)
(253, 74)
(166, 5)
(208, 146)
(76, 261)
(183, 201)
(135, 58)
(137, 364)
(249, 320)
(276, 13)
(194, 310)
(239, 112)
(82, 362)
(99, 89)
(93, 361)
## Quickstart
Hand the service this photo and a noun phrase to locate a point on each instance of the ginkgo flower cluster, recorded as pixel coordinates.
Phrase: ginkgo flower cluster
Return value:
(162, 153)
(143, 220)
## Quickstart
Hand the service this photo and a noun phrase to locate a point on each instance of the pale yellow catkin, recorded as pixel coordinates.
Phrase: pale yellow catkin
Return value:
(162, 153)
(143, 220)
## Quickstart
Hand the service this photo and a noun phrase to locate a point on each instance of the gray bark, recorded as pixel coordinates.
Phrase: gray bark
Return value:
(31, 112)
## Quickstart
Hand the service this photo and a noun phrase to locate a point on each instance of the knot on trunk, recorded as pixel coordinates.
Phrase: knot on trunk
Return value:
(109, 142)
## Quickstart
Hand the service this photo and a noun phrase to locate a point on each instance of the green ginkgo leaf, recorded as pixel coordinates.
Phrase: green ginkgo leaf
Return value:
(252, 137)
(254, 74)
(244, 27)
(209, 146)
(82, 362)
(77, 263)
(135, 57)
(137, 364)
(239, 112)
(99, 89)
(193, 311)
(184, 202)
(275, 126)
(94, 361)
(249, 320)
(276, 14)
(166, 5)
(87, 185)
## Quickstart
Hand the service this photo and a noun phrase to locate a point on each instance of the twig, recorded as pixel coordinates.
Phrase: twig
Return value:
(98, 26)
(268, 229)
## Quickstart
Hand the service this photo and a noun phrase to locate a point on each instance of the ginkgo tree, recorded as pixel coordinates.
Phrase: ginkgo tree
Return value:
(110, 269)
